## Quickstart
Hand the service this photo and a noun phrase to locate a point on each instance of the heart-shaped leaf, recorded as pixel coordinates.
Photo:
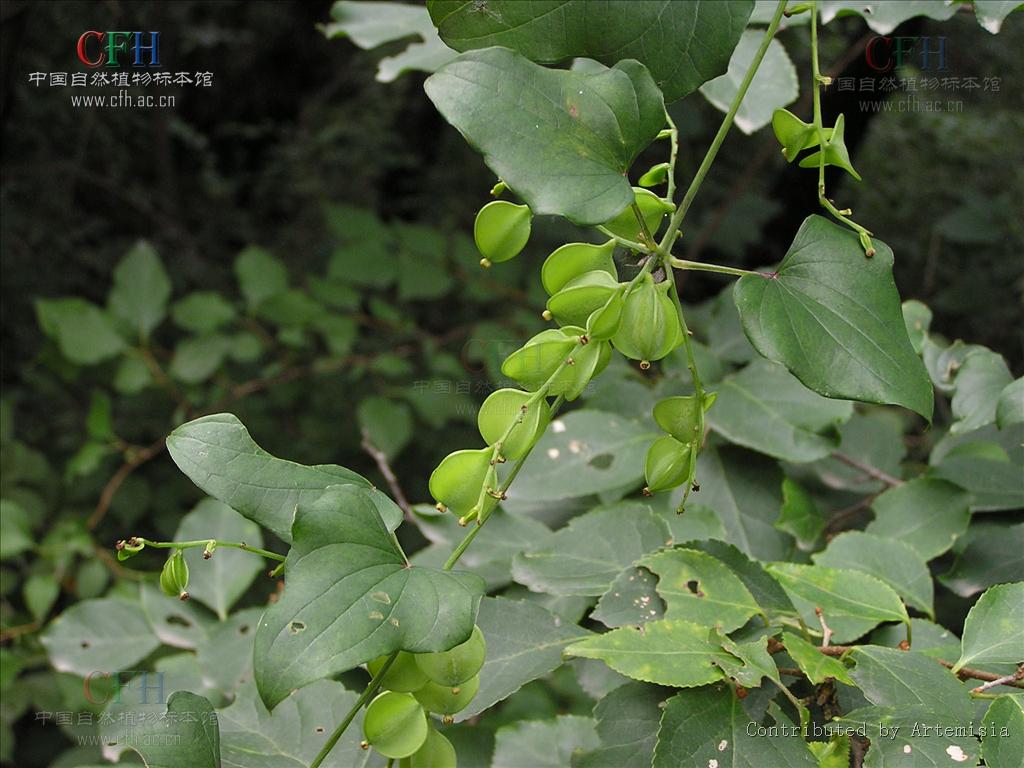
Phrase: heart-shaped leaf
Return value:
(684, 43)
(562, 140)
(351, 596)
(832, 316)
(217, 454)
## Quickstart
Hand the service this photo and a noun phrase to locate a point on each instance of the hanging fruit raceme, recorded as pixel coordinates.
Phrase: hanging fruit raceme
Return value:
(650, 327)
(174, 576)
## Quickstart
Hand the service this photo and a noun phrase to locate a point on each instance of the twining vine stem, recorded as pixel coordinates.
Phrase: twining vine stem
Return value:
(818, 83)
(206, 542)
(660, 253)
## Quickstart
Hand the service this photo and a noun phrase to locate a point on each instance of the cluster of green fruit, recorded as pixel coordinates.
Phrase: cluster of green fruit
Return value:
(596, 313)
(397, 722)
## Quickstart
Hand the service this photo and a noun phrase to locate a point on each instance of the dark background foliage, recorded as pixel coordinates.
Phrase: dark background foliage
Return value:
(295, 123)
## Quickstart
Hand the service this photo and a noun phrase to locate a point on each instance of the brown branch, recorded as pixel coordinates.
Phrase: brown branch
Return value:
(871, 471)
(21, 629)
(837, 520)
(1010, 679)
(965, 673)
(826, 631)
(381, 460)
(137, 459)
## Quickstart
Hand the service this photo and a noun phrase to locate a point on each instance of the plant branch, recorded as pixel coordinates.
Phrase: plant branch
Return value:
(381, 459)
(826, 631)
(204, 542)
(137, 458)
(1014, 677)
(366, 695)
(871, 471)
(723, 129)
(704, 267)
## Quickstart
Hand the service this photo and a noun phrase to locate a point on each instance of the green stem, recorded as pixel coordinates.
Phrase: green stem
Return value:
(819, 127)
(723, 129)
(366, 695)
(633, 245)
(217, 543)
(702, 267)
(670, 192)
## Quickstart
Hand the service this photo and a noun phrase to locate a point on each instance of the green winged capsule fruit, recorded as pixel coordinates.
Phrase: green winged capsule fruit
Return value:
(501, 230)
(574, 259)
(679, 416)
(654, 176)
(395, 724)
(653, 209)
(174, 576)
(457, 481)
(667, 465)
(582, 296)
(605, 321)
(404, 676)
(436, 752)
(650, 328)
(835, 152)
(794, 134)
(501, 409)
(448, 699)
(588, 362)
(448, 668)
(533, 363)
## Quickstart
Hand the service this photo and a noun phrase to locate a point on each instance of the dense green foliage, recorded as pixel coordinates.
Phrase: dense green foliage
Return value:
(746, 541)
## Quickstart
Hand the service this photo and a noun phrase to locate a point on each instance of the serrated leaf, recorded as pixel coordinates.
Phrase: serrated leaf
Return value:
(744, 489)
(991, 554)
(83, 331)
(799, 515)
(599, 450)
(774, 85)
(631, 600)
(106, 634)
(832, 317)
(892, 561)
(768, 593)
(908, 680)
(902, 738)
(541, 744)
(141, 289)
(852, 602)
(1003, 743)
(994, 629)
(928, 515)
(293, 734)
(765, 408)
(749, 662)
(676, 653)
(698, 588)
(930, 639)
(702, 35)
(221, 580)
(1010, 408)
(978, 384)
(351, 597)
(710, 727)
(524, 642)
(812, 662)
(987, 463)
(260, 275)
(562, 140)
(585, 557)
(627, 726)
(217, 454)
